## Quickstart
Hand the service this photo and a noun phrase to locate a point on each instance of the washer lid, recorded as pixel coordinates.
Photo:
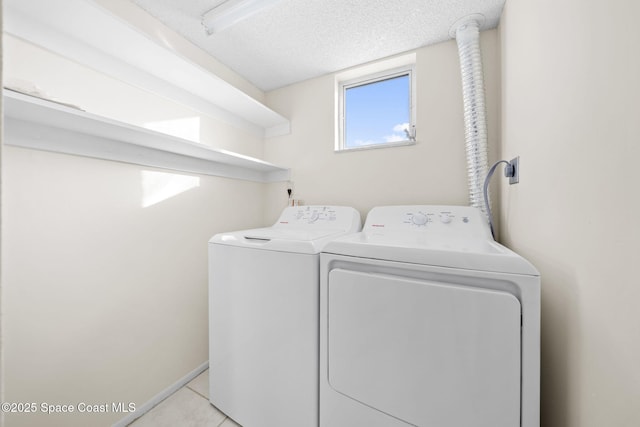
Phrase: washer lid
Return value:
(299, 241)
(305, 229)
(271, 233)
(446, 236)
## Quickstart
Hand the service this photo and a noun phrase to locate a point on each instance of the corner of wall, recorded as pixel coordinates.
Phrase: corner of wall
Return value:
(1, 252)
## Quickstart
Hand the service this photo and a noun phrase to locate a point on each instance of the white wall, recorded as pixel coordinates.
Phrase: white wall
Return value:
(570, 110)
(1, 251)
(103, 299)
(430, 172)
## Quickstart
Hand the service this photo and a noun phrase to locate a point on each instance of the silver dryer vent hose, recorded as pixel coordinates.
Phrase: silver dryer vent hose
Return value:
(468, 40)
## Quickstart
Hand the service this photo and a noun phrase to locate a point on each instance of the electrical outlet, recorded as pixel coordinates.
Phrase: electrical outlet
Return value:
(515, 177)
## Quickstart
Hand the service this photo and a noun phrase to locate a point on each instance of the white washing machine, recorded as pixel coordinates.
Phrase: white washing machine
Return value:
(426, 321)
(263, 316)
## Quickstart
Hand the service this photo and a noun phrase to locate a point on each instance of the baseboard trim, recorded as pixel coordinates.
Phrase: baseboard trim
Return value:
(155, 400)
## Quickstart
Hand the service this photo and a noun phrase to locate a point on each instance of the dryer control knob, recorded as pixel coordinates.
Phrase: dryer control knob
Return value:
(419, 219)
(314, 217)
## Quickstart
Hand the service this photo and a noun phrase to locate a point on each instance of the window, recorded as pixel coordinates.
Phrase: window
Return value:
(377, 110)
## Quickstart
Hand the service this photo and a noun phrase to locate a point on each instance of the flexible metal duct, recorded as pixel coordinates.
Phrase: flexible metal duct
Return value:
(467, 35)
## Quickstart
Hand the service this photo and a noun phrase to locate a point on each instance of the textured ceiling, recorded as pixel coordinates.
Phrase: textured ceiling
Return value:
(295, 40)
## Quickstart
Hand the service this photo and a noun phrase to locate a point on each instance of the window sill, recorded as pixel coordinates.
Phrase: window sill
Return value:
(376, 146)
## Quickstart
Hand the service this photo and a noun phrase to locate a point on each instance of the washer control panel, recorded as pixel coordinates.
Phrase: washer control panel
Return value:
(465, 220)
(319, 217)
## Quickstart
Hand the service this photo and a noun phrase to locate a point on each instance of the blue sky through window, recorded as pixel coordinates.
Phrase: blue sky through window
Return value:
(377, 113)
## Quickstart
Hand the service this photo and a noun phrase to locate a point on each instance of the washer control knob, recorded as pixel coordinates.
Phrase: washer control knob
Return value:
(314, 217)
(419, 219)
(445, 218)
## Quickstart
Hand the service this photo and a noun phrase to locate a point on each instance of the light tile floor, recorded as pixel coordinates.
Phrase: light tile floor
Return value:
(187, 407)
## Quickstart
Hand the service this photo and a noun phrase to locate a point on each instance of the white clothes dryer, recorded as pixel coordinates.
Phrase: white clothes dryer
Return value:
(426, 321)
(263, 316)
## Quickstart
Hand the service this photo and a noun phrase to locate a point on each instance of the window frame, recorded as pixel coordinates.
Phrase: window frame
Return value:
(371, 78)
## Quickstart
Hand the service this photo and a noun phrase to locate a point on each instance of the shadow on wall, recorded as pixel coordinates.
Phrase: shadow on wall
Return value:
(560, 302)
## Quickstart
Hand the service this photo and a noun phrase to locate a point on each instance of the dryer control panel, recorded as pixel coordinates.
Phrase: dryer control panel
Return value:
(319, 217)
(450, 220)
